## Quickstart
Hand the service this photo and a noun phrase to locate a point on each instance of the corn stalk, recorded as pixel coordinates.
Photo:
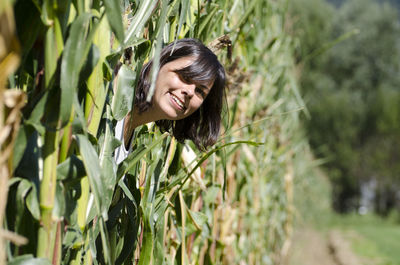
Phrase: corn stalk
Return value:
(11, 102)
(166, 202)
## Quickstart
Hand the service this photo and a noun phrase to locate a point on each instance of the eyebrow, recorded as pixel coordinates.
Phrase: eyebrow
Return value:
(186, 79)
(204, 87)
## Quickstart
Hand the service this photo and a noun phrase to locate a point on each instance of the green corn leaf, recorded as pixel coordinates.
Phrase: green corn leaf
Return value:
(71, 168)
(183, 228)
(139, 20)
(79, 124)
(29, 260)
(162, 19)
(73, 238)
(113, 59)
(123, 98)
(32, 202)
(246, 15)
(93, 170)
(21, 144)
(92, 235)
(14, 180)
(89, 64)
(156, 57)
(59, 201)
(126, 190)
(147, 247)
(153, 175)
(97, 83)
(105, 241)
(211, 195)
(207, 20)
(129, 162)
(131, 229)
(159, 251)
(134, 157)
(107, 161)
(24, 187)
(37, 113)
(72, 62)
(83, 203)
(114, 16)
(51, 54)
(184, 177)
(183, 15)
(222, 154)
(198, 219)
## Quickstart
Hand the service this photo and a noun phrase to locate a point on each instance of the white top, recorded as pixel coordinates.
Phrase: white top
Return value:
(121, 152)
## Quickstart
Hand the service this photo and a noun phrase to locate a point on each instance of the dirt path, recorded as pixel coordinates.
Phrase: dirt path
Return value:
(310, 247)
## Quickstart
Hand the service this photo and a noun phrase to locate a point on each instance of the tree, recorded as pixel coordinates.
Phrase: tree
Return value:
(352, 90)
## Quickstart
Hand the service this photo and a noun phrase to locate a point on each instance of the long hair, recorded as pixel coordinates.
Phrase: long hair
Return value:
(202, 127)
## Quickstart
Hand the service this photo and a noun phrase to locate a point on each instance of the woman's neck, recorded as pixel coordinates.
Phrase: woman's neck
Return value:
(135, 119)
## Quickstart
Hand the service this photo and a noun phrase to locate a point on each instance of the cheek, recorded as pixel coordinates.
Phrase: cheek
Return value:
(157, 95)
(168, 80)
(196, 103)
(174, 82)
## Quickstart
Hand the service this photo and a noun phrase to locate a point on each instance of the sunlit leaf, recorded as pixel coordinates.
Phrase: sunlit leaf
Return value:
(114, 16)
(141, 16)
(29, 260)
(124, 94)
(147, 247)
(93, 170)
(72, 62)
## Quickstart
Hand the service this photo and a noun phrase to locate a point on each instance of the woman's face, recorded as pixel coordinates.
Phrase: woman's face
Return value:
(173, 98)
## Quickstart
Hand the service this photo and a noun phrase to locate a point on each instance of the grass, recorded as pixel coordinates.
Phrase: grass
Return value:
(374, 238)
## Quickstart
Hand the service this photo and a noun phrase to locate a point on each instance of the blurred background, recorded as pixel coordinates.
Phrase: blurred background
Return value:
(348, 59)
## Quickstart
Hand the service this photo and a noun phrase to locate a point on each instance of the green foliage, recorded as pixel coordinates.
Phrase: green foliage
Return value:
(371, 236)
(165, 203)
(352, 93)
(311, 25)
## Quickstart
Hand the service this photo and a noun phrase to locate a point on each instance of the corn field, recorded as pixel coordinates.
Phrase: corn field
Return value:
(68, 74)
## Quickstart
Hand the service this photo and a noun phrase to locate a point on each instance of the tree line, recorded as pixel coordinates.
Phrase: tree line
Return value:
(348, 57)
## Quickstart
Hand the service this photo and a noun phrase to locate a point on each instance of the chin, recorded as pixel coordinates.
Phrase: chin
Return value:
(172, 114)
(177, 118)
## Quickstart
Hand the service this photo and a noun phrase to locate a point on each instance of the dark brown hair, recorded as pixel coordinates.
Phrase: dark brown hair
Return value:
(202, 127)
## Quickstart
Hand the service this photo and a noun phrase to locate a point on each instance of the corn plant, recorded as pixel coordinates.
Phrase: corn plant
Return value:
(11, 101)
(166, 203)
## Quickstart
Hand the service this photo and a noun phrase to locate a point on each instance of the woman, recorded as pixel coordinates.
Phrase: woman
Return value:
(187, 100)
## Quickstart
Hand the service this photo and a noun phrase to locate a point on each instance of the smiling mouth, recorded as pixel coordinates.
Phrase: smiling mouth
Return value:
(178, 102)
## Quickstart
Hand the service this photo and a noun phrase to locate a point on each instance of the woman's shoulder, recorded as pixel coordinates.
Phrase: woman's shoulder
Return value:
(121, 152)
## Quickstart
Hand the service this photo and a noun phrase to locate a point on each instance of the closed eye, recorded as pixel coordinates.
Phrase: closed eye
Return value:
(201, 91)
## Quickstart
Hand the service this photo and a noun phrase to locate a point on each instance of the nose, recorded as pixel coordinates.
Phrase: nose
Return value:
(188, 90)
